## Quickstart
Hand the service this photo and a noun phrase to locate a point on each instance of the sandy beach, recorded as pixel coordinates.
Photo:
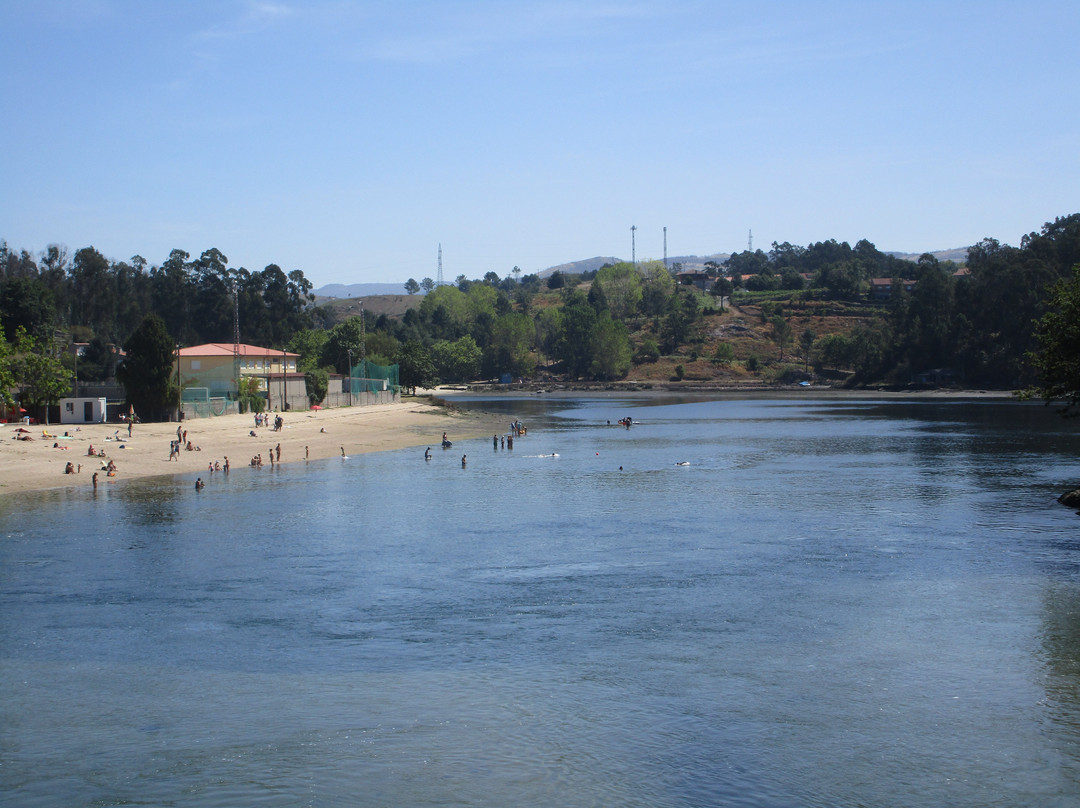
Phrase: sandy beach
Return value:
(27, 465)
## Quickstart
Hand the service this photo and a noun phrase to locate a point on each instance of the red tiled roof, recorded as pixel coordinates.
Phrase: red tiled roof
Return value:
(226, 349)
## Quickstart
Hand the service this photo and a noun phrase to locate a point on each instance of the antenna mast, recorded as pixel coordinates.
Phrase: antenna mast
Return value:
(236, 336)
(633, 244)
(665, 248)
(750, 242)
(439, 280)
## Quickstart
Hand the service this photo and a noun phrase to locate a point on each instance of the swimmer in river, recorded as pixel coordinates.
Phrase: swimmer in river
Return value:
(463, 461)
(427, 453)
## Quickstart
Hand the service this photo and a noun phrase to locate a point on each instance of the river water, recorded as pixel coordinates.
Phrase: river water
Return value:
(833, 603)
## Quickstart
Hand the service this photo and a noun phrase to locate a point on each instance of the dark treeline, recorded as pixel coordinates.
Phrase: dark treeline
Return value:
(973, 328)
(103, 302)
(970, 327)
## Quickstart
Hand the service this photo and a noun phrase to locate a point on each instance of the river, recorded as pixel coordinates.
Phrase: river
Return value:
(733, 602)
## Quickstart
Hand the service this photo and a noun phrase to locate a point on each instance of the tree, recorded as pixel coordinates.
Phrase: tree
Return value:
(411, 286)
(27, 302)
(38, 372)
(806, 344)
(511, 341)
(781, 333)
(1057, 358)
(415, 368)
(618, 289)
(456, 361)
(720, 289)
(318, 383)
(427, 284)
(147, 371)
(7, 377)
(611, 348)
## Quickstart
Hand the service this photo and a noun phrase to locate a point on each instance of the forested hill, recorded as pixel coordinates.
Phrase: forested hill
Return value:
(819, 311)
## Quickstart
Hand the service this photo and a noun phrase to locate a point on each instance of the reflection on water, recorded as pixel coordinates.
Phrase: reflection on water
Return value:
(734, 602)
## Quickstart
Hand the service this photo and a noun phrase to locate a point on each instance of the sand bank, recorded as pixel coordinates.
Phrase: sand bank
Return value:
(39, 463)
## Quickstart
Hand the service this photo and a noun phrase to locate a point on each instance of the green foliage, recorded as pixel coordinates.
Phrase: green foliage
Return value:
(147, 370)
(411, 286)
(680, 372)
(781, 334)
(7, 375)
(29, 304)
(618, 289)
(310, 343)
(647, 352)
(806, 345)
(611, 348)
(724, 355)
(456, 361)
(38, 372)
(1057, 358)
(657, 287)
(511, 343)
(318, 384)
(415, 368)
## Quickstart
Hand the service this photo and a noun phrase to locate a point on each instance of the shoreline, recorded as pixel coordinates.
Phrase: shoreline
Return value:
(38, 465)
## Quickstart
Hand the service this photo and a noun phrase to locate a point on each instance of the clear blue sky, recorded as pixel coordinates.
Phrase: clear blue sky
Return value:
(348, 138)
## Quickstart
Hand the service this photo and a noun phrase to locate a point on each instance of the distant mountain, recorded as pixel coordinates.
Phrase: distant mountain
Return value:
(339, 290)
(957, 254)
(688, 262)
(577, 267)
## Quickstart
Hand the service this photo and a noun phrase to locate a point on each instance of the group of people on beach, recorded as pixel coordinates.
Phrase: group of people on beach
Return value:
(263, 419)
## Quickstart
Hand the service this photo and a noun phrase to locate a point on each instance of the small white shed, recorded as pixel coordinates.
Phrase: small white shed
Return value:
(82, 410)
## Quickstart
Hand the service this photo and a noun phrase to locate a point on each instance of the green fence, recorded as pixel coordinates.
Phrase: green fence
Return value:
(367, 377)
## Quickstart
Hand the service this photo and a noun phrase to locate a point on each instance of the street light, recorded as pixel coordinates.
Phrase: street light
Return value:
(350, 375)
(179, 409)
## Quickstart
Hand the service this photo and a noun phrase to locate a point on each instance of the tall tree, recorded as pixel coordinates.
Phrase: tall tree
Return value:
(147, 370)
(1057, 358)
(39, 373)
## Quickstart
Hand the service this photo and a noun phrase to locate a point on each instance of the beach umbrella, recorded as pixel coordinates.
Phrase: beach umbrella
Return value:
(316, 407)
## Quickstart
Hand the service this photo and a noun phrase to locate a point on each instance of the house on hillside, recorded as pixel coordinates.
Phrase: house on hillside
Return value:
(881, 288)
(207, 373)
(700, 280)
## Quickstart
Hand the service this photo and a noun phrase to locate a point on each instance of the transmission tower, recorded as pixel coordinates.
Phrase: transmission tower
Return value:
(236, 336)
(750, 242)
(633, 244)
(439, 281)
(665, 248)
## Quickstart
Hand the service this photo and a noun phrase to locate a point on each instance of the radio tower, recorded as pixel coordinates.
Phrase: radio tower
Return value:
(236, 337)
(633, 244)
(750, 242)
(665, 248)
(438, 280)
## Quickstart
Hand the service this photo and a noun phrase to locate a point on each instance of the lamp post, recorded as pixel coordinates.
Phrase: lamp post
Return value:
(179, 409)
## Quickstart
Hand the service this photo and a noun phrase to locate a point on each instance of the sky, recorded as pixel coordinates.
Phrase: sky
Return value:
(350, 138)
